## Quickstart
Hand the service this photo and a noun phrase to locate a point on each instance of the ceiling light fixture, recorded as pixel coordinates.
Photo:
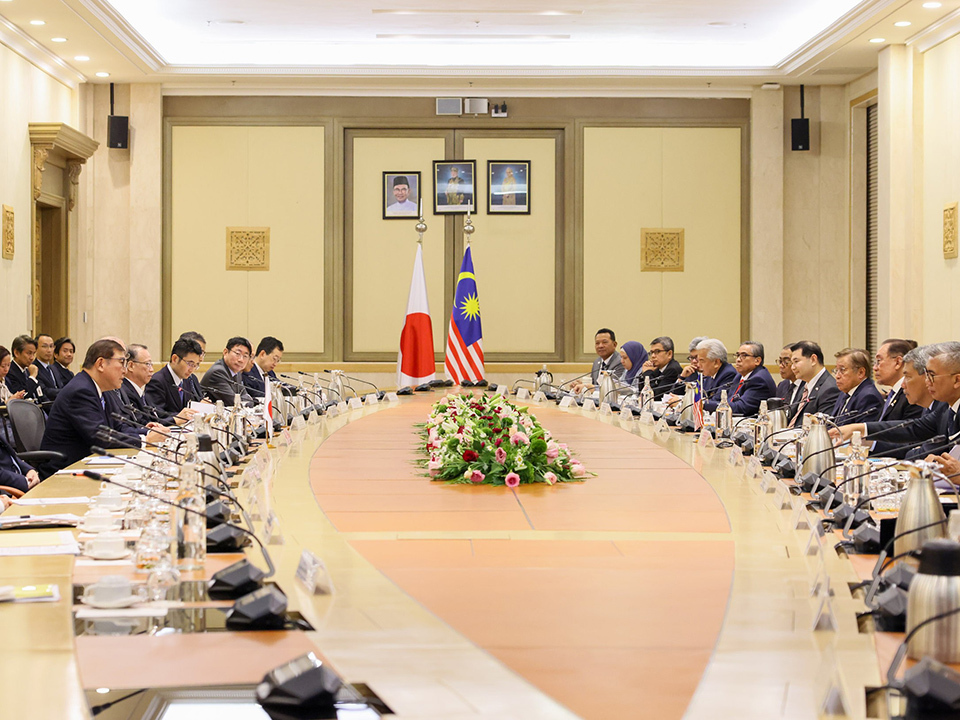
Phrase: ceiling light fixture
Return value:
(878, 40)
(81, 58)
(720, 24)
(58, 39)
(932, 5)
(38, 22)
(103, 74)
(903, 23)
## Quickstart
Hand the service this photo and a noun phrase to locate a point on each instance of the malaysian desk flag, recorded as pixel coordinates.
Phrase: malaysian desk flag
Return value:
(698, 403)
(464, 356)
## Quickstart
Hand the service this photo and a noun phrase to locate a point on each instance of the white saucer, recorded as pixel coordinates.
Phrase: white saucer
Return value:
(111, 605)
(110, 556)
(112, 527)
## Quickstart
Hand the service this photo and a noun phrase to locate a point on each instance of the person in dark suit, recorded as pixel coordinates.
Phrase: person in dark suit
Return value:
(133, 390)
(790, 387)
(718, 374)
(81, 409)
(14, 472)
(191, 383)
(47, 376)
(23, 373)
(63, 352)
(820, 390)
(943, 381)
(755, 382)
(167, 390)
(859, 398)
(223, 381)
(605, 343)
(268, 356)
(888, 367)
(661, 367)
(916, 392)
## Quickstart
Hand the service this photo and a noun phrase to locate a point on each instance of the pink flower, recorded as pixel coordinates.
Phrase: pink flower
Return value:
(512, 479)
(519, 437)
(474, 476)
(553, 450)
(501, 455)
(550, 478)
(577, 469)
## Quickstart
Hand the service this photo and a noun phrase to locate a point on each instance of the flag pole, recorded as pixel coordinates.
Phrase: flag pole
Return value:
(421, 226)
(468, 228)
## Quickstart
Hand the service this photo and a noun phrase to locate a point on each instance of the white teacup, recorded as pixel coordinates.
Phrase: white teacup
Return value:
(98, 520)
(109, 589)
(105, 545)
(108, 501)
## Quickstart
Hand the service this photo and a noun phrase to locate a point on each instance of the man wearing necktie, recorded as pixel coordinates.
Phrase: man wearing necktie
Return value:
(605, 343)
(859, 399)
(47, 376)
(167, 389)
(820, 390)
(888, 367)
(791, 387)
(755, 383)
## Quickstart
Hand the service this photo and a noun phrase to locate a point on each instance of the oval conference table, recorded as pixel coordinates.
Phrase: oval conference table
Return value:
(669, 585)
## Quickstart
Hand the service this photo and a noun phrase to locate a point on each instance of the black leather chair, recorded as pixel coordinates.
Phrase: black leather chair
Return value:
(29, 422)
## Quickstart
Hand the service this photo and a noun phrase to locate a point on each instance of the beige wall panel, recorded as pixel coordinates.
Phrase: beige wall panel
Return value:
(941, 186)
(701, 193)
(286, 195)
(622, 193)
(210, 192)
(30, 95)
(383, 250)
(514, 255)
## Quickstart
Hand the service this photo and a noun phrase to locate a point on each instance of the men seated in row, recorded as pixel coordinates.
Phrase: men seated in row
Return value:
(820, 391)
(133, 391)
(80, 410)
(22, 376)
(224, 380)
(269, 354)
(608, 359)
(170, 390)
(790, 387)
(859, 398)
(934, 433)
(661, 367)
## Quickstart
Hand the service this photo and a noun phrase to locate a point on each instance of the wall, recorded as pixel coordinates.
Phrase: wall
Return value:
(30, 96)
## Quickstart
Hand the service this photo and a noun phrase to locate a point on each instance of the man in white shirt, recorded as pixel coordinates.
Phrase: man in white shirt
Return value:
(403, 206)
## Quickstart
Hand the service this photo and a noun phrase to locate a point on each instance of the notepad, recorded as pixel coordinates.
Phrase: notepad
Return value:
(54, 542)
(30, 593)
(80, 500)
(105, 460)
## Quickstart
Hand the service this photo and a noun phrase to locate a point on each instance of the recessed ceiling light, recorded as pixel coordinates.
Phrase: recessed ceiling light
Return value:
(58, 39)
(720, 24)
(903, 23)
(878, 40)
(103, 74)
(81, 58)
(37, 22)
(932, 5)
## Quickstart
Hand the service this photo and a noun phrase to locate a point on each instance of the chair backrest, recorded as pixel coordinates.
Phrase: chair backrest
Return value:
(28, 423)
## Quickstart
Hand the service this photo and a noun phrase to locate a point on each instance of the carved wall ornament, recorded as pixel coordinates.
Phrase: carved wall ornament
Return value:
(8, 241)
(661, 250)
(40, 154)
(73, 176)
(248, 248)
(950, 231)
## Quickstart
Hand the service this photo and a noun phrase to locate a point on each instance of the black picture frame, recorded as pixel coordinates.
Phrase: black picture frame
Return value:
(444, 192)
(500, 200)
(391, 198)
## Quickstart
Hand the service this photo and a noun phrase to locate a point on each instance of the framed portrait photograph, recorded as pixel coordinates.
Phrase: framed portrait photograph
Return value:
(401, 195)
(454, 186)
(508, 187)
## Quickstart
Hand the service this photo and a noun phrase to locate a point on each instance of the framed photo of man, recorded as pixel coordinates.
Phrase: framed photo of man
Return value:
(454, 191)
(401, 195)
(508, 187)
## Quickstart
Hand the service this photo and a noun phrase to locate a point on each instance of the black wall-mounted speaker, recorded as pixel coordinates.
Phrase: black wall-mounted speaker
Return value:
(800, 134)
(118, 131)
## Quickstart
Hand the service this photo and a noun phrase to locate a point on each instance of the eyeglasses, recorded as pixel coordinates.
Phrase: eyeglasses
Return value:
(785, 361)
(841, 370)
(930, 374)
(741, 356)
(240, 354)
(656, 351)
(191, 364)
(142, 362)
(122, 360)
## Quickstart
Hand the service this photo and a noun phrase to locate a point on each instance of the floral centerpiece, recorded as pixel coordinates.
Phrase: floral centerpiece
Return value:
(488, 440)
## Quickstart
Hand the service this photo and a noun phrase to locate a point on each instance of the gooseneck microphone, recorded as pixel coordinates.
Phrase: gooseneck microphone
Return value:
(378, 391)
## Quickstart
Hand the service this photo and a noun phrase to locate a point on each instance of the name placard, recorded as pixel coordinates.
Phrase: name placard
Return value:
(523, 394)
(313, 575)
(356, 403)
(566, 401)
(391, 397)
(539, 396)
(706, 439)
(342, 407)
(605, 409)
(735, 458)
(589, 406)
(272, 529)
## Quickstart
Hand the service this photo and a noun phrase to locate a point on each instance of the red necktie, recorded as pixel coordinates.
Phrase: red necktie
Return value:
(737, 391)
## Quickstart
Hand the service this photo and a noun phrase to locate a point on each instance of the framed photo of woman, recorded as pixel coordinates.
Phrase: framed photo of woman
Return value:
(454, 188)
(508, 187)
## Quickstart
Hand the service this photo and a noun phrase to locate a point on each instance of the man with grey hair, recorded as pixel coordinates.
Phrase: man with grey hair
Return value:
(693, 360)
(718, 374)
(661, 367)
(754, 384)
(943, 382)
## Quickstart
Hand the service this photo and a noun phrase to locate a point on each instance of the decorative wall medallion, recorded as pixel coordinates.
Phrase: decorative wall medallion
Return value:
(661, 250)
(950, 231)
(248, 248)
(7, 232)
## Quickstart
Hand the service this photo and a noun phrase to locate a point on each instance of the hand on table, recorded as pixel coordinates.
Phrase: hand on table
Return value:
(949, 465)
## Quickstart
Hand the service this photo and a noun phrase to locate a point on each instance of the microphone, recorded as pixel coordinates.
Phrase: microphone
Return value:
(573, 380)
(218, 477)
(236, 578)
(378, 391)
(108, 434)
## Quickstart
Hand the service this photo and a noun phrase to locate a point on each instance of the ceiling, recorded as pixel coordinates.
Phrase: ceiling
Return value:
(425, 46)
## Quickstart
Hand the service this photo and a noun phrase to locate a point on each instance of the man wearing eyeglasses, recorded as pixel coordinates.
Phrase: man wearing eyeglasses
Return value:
(859, 398)
(791, 387)
(224, 380)
(889, 367)
(269, 354)
(754, 384)
(139, 374)
(80, 409)
(661, 367)
(169, 390)
(943, 382)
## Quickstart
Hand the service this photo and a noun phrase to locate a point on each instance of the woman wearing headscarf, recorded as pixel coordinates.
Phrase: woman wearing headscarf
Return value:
(633, 355)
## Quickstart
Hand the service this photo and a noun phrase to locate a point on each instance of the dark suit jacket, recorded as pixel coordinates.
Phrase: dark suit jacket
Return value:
(759, 386)
(13, 470)
(662, 381)
(901, 409)
(254, 382)
(49, 380)
(888, 448)
(74, 419)
(147, 412)
(614, 365)
(64, 375)
(18, 380)
(725, 379)
(926, 427)
(864, 405)
(821, 398)
(194, 391)
(219, 384)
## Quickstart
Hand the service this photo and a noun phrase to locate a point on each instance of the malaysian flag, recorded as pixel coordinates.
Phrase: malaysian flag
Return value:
(464, 356)
(698, 403)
